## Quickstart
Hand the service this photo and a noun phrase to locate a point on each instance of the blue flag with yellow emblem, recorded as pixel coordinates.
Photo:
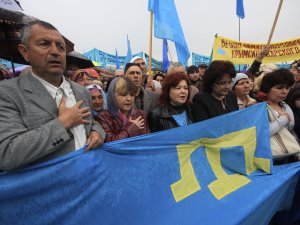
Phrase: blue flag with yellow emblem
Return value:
(215, 172)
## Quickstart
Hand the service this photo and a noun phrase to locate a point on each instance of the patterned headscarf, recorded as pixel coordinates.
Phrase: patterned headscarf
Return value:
(97, 88)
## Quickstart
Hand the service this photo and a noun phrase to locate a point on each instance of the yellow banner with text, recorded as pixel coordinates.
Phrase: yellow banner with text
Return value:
(245, 52)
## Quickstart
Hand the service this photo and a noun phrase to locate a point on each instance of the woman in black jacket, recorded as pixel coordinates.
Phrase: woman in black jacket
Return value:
(173, 109)
(293, 101)
(216, 98)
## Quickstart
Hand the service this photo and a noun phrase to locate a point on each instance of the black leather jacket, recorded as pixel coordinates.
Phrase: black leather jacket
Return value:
(161, 118)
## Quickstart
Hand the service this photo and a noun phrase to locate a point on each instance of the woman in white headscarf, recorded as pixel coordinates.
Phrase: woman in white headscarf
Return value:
(98, 99)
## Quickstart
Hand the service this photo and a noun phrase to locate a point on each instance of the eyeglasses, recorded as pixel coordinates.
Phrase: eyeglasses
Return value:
(223, 83)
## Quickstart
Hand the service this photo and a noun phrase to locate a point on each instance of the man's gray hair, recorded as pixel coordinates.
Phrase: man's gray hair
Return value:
(26, 31)
(175, 65)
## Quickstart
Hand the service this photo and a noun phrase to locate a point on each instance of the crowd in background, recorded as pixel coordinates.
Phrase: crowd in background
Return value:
(131, 102)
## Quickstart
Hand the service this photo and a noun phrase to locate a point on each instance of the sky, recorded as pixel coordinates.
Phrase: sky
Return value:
(104, 24)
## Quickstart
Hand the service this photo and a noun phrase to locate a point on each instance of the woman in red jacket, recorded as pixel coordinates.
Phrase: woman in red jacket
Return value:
(122, 120)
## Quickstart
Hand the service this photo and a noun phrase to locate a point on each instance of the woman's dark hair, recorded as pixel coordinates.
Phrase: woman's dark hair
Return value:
(293, 95)
(128, 65)
(172, 81)
(215, 72)
(158, 75)
(277, 77)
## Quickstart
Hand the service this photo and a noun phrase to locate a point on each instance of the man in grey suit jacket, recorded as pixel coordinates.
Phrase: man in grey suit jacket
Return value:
(145, 100)
(43, 115)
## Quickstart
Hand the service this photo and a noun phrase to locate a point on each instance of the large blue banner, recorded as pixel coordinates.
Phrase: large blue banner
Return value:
(215, 172)
(107, 59)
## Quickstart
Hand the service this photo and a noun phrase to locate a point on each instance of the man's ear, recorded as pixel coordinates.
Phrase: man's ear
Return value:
(23, 50)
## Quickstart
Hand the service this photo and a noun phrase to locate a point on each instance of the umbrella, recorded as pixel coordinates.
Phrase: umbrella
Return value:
(11, 24)
(79, 60)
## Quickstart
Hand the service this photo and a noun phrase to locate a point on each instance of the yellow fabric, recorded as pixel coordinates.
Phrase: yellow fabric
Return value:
(225, 184)
(245, 52)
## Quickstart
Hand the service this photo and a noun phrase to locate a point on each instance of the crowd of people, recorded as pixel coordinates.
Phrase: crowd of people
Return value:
(47, 112)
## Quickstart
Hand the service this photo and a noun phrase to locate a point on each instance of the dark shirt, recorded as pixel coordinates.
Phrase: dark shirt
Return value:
(139, 100)
(205, 106)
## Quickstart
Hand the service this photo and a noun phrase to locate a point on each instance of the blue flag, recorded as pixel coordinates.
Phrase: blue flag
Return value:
(216, 172)
(167, 26)
(129, 53)
(166, 62)
(240, 9)
(117, 60)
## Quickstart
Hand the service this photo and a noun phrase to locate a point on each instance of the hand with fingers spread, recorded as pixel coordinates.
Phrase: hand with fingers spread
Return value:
(71, 117)
(138, 121)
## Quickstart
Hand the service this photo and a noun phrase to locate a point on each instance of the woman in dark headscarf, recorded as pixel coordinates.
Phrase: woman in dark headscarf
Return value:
(122, 120)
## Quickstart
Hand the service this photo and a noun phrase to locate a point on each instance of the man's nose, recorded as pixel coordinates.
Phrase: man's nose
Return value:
(54, 49)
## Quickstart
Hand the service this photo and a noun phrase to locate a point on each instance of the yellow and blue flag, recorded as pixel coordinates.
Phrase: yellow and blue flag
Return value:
(216, 172)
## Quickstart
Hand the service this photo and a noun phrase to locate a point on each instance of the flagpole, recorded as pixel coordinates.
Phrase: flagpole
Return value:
(150, 50)
(239, 29)
(239, 39)
(275, 22)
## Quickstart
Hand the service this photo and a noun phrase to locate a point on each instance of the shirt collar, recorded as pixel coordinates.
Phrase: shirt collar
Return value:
(65, 85)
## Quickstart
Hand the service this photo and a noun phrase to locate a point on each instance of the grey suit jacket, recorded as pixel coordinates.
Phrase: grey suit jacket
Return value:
(150, 100)
(30, 131)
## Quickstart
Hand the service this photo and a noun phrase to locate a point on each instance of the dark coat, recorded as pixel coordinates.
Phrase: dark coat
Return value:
(205, 106)
(161, 118)
(115, 129)
(293, 95)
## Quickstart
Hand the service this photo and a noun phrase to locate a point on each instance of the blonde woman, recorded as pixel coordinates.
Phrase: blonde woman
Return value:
(122, 119)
